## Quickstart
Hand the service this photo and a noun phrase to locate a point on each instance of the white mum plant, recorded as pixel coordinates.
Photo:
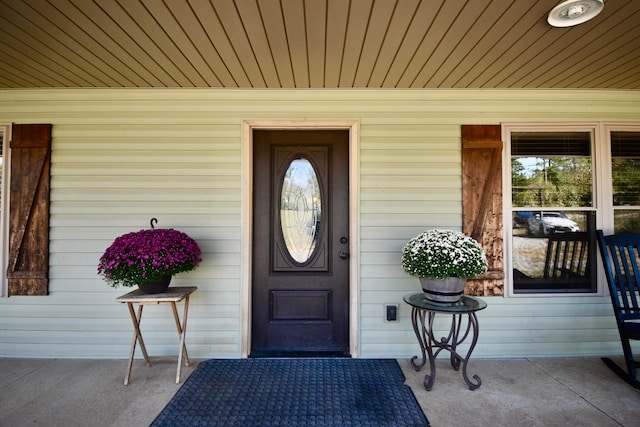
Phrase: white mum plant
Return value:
(443, 253)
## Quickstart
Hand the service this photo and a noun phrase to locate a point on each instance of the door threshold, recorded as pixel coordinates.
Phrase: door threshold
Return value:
(298, 354)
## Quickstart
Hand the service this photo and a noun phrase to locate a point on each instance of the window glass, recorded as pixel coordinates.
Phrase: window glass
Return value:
(553, 238)
(551, 169)
(553, 251)
(625, 174)
(300, 210)
(626, 221)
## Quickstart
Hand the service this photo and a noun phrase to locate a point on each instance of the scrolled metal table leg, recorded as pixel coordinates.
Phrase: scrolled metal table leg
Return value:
(474, 325)
(417, 319)
(430, 378)
(455, 358)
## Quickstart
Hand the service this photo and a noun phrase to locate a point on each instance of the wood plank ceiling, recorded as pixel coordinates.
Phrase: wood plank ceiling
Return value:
(314, 44)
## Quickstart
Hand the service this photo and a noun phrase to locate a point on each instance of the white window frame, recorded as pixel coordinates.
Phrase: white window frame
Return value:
(598, 154)
(5, 129)
(607, 192)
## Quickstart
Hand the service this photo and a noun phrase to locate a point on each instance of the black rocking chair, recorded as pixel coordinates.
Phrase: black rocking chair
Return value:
(621, 258)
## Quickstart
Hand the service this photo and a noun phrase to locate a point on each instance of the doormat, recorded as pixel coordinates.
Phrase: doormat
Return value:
(294, 392)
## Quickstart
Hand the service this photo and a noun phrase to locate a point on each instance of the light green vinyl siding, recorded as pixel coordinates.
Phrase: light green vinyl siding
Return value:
(121, 157)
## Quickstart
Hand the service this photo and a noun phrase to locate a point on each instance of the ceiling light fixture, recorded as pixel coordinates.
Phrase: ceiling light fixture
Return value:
(574, 12)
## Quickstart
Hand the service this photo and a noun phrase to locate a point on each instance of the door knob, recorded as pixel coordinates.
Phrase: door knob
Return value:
(344, 255)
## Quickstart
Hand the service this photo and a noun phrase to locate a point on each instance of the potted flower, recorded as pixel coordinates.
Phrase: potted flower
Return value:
(443, 260)
(148, 258)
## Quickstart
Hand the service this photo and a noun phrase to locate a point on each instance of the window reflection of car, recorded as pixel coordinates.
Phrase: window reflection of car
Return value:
(545, 223)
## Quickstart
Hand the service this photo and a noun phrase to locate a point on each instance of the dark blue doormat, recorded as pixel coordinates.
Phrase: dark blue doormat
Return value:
(294, 392)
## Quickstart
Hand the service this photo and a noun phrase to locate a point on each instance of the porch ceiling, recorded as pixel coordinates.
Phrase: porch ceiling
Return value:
(314, 44)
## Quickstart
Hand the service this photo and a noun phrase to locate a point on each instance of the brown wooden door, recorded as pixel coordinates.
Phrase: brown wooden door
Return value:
(300, 269)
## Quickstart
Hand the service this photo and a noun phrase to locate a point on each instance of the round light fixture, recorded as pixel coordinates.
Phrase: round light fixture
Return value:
(574, 12)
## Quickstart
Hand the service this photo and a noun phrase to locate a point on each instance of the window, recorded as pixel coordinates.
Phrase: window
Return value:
(625, 177)
(565, 182)
(553, 217)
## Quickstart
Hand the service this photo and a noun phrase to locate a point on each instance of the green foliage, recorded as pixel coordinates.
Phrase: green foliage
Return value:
(551, 181)
(626, 181)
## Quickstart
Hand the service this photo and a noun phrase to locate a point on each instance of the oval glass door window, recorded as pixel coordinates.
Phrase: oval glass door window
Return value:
(300, 210)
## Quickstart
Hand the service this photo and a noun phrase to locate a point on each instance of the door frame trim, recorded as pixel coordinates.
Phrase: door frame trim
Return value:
(247, 218)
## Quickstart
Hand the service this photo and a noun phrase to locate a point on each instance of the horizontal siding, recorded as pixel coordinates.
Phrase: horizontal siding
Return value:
(121, 157)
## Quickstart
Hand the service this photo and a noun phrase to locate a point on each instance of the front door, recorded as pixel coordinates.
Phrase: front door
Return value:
(300, 269)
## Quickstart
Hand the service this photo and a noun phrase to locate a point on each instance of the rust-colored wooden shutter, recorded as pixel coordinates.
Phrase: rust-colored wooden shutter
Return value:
(28, 265)
(482, 202)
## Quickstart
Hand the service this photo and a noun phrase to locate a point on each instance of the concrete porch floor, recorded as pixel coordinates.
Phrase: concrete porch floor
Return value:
(514, 392)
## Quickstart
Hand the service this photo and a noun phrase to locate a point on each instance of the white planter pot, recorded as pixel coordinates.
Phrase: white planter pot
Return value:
(443, 290)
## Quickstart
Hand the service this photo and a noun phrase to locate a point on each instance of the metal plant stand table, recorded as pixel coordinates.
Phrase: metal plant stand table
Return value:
(172, 296)
(423, 313)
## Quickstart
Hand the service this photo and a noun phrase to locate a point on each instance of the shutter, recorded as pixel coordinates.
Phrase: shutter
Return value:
(28, 264)
(482, 202)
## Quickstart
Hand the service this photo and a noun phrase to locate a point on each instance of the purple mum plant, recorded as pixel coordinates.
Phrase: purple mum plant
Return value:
(148, 255)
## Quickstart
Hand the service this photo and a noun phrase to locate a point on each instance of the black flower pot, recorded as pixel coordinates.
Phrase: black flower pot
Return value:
(155, 287)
